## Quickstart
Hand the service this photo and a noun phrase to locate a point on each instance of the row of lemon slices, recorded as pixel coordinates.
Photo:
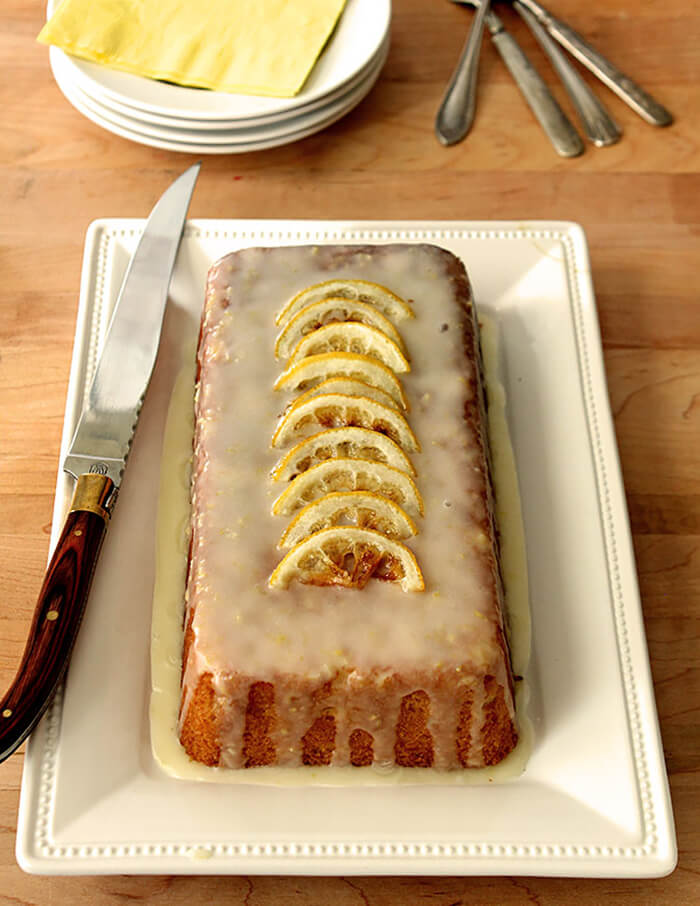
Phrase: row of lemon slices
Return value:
(349, 482)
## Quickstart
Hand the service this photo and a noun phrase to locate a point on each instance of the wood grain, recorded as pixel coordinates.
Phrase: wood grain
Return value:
(639, 204)
(54, 629)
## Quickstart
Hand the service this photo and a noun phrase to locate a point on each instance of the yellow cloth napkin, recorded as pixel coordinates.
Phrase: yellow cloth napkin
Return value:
(246, 46)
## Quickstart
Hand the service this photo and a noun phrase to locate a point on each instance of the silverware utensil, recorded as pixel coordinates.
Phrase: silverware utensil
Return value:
(96, 459)
(456, 113)
(557, 126)
(598, 125)
(623, 86)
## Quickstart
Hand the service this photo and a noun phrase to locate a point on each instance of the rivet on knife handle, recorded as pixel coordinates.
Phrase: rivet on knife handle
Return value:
(597, 123)
(559, 129)
(58, 613)
(456, 114)
(623, 86)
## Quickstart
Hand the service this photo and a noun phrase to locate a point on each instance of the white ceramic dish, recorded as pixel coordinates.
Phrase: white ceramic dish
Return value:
(71, 75)
(217, 141)
(593, 800)
(362, 28)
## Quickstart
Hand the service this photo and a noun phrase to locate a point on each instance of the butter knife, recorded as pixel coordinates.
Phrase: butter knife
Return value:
(556, 125)
(96, 459)
(624, 87)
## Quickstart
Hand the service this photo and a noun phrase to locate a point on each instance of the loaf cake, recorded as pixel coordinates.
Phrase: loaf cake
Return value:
(344, 602)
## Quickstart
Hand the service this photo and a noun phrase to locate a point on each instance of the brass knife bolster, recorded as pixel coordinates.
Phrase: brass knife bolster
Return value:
(92, 495)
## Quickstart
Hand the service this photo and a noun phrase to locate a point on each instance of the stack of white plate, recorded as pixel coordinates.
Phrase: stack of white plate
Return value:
(211, 122)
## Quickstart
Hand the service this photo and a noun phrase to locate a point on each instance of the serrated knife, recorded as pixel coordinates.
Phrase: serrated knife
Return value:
(96, 460)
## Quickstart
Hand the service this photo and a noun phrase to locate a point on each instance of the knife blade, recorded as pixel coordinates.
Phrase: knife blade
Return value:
(96, 459)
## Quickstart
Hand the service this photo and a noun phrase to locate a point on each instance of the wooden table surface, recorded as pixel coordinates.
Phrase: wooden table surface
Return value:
(639, 203)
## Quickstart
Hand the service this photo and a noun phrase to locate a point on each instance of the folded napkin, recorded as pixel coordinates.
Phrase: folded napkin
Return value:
(246, 46)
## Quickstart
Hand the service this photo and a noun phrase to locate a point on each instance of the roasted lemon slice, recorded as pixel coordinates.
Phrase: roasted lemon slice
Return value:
(348, 556)
(336, 410)
(328, 311)
(361, 508)
(349, 475)
(326, 365)
(388, 303)
(351, 387)
(351, 336)
(341, 443)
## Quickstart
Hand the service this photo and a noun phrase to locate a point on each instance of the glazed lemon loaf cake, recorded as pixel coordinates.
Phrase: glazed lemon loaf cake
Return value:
(344, 603)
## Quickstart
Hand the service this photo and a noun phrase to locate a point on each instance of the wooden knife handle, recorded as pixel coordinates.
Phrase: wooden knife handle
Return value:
(58, 613)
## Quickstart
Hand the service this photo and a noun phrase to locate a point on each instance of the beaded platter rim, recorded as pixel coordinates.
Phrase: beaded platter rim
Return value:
(653, 854)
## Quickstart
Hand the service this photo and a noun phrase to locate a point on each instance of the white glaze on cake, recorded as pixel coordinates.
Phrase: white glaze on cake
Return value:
(246, 632)
(168, 604)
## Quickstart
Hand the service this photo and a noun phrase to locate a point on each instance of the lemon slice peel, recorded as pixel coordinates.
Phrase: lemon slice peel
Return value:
(319, 314)
(325, 365)
(347, 474)
(333, 410)
(352, 336)
(351, 387)
(366, 509)
(321, 559)
(384, 299)
(347, 442)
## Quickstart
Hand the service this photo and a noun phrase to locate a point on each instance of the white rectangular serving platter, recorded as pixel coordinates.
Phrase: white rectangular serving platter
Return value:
(594, 798)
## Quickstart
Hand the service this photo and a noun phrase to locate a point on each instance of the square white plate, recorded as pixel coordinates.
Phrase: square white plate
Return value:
(593, 800)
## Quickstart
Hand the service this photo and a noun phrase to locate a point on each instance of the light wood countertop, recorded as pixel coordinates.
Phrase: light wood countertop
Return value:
(639, 203)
